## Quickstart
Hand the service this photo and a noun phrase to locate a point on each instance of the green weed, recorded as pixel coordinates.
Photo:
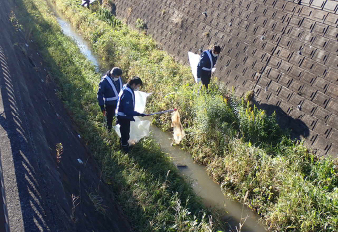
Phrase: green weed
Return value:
(243, 148)
(153, 199)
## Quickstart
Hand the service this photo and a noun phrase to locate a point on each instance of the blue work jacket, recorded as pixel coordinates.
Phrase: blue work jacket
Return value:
(207, 61)
(126, 104)
(109, 90)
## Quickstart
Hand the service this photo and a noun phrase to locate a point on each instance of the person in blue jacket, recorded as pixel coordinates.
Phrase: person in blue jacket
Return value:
(108, 94)
(206, 63)
(126, 110)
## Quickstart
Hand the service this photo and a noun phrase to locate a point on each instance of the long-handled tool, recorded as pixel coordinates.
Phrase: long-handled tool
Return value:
(162, 112)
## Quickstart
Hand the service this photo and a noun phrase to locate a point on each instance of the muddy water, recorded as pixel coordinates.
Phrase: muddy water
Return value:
(210, 192)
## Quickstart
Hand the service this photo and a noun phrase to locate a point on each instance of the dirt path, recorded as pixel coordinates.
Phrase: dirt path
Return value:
(41, 194)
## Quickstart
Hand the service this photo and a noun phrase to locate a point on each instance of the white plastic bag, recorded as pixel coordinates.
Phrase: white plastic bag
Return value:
(139, 128)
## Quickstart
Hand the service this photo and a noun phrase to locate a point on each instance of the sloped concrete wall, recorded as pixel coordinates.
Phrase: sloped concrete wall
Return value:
(285, 51)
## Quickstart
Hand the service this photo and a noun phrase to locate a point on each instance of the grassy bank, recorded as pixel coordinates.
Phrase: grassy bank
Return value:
(148, 187)
(244, 150)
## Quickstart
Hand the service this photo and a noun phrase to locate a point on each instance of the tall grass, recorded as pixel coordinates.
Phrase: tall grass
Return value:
(149, 188)
(243, 148)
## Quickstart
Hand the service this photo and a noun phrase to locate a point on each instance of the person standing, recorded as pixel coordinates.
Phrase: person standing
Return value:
(206, 64)
(108, 94)
(126, 110)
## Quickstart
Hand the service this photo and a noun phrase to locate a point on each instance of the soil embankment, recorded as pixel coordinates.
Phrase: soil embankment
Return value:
(43, 192)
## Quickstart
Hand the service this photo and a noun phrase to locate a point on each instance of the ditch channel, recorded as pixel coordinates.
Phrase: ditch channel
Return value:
(233, 213)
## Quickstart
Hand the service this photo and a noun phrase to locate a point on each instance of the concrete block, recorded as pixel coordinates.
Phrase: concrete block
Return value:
(318, 3)
(319, 15)
(321, 145)
(285, 106)
(322, 114)
(308, 64)
(332, 62)
(333, 136)
(308, 50)
(321, 56)
(332, 19)
(264, 82)
(280, 5)
(274, 100)
(285, 93)
(333, 120)
(259, 66)
(291, 7)
(308, 24)
(332, 91)
(297, 45)
(283, 53)
(285, 80)
(319, 69)
(296, 32)
(296, 72)
(285, 67)
(286, 42)
(321, 84)
(320, 28)
(308, 91)
(309, 121)
(249, 85)
(308, 77)
(333, 107)
(331, 6)
(333, 152)
(306, 11)
(332, 76)
(322, 128)
(296, 114)
(269, 47)
(296, 85)
(308, 107)
(308, 37)
(261, 95)
(321, 99)
(274, 74)
(296, 59)
(296, 20)
(274, 87)
(332, 33)
(321, 42)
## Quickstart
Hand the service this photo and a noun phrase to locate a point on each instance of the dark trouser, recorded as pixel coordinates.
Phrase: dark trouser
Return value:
(86, 2)
(124, 130)
(204, 75)
(110, 113)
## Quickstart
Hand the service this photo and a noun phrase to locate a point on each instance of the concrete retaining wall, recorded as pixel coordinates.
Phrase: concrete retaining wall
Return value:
(285, 51)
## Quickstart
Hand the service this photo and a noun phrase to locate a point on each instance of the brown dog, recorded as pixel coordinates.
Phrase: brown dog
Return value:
(178, 128)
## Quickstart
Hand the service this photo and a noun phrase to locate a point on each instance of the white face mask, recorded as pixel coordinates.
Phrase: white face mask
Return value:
(116, 78)
(137, 89)
(215, 55)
